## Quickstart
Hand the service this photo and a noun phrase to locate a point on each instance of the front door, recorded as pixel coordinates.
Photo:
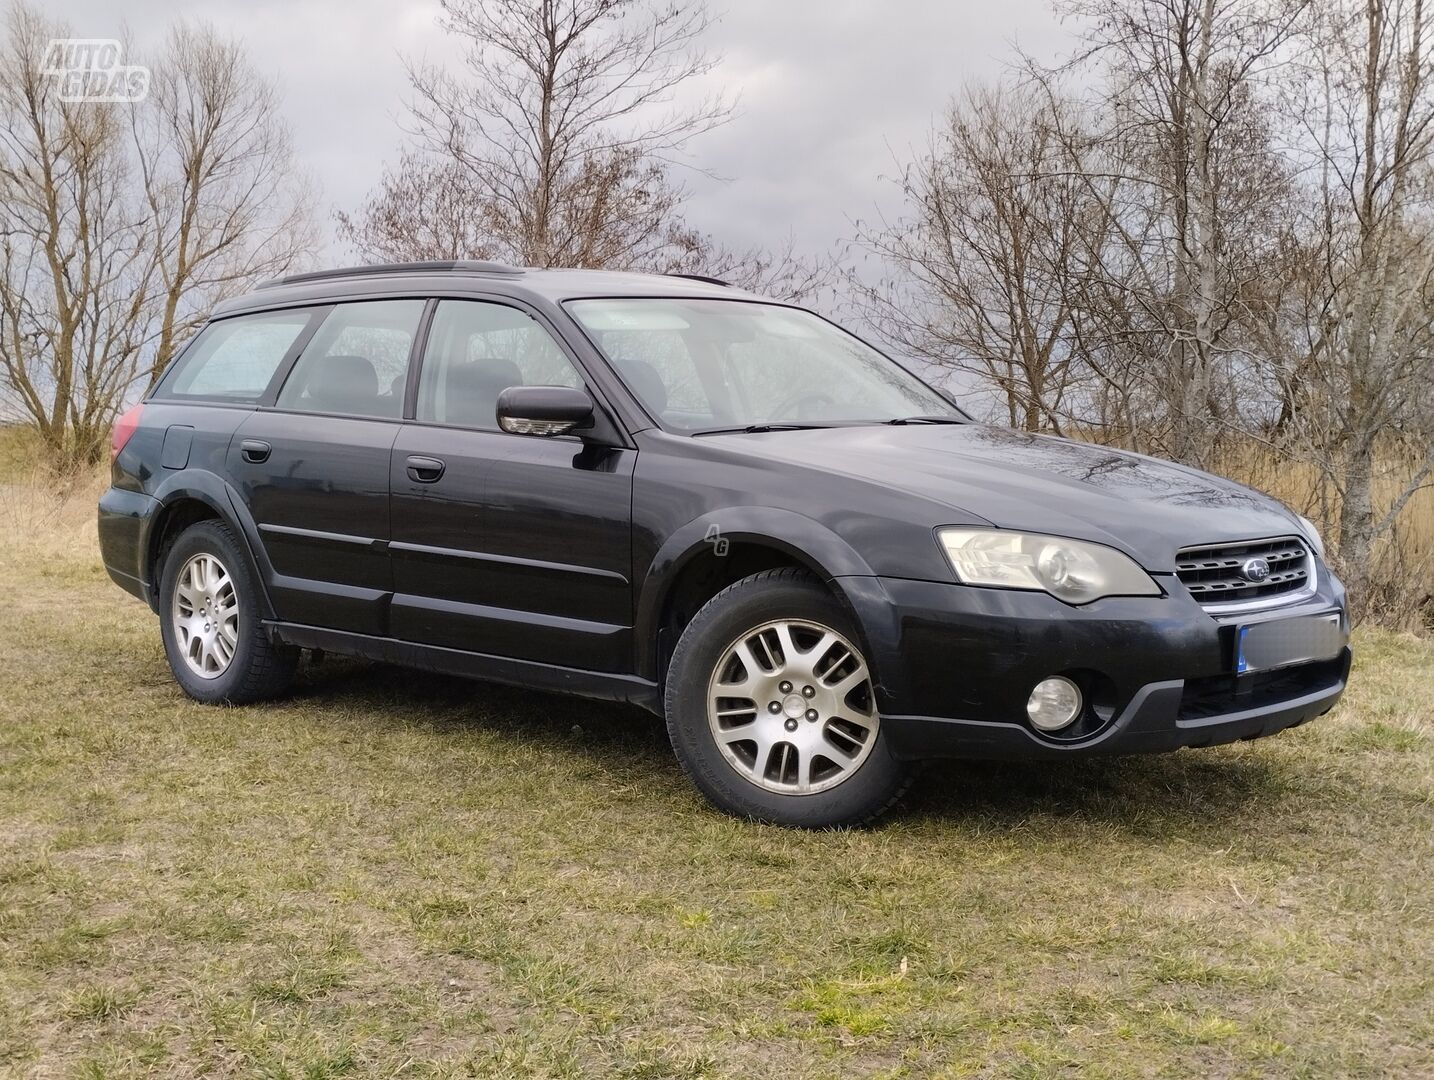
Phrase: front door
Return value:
(510, 545)
(314, 468)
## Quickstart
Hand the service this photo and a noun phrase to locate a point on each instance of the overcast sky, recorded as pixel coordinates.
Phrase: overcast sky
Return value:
(827, 90)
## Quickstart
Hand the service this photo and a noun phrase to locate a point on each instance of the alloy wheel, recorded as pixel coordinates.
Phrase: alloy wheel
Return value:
(791, 707)
(205, 616)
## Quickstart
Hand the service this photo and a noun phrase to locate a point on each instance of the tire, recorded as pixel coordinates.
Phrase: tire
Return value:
(816, 760)
(217, 648)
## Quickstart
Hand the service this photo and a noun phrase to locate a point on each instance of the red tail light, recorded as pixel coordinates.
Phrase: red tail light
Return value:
(123, 429)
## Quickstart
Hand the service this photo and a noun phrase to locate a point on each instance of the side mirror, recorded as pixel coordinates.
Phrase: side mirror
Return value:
(544, 410)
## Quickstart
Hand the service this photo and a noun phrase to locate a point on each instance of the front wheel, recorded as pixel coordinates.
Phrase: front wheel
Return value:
(209, 619)
(772, 711)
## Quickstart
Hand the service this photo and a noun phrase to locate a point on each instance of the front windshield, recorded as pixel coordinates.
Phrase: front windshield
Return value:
(717, 365)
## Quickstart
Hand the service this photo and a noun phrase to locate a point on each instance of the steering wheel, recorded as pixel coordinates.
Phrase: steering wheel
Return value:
(796, 403)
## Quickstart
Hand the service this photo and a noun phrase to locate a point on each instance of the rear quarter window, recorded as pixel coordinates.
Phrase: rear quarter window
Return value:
(234, 359)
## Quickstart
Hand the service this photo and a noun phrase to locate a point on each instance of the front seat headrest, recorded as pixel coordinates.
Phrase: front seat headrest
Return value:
(647, 384)
(473, 389)
(344, 383)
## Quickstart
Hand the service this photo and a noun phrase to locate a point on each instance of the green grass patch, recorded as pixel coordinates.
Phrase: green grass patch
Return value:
(385, 875)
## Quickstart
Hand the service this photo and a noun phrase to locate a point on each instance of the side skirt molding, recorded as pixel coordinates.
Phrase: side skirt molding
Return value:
(528, 674)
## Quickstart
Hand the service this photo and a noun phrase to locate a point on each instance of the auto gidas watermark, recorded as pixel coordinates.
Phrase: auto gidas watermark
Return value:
(91, 70)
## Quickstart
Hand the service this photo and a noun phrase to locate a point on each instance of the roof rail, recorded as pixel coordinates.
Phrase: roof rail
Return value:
(471, 266)
(703, 277)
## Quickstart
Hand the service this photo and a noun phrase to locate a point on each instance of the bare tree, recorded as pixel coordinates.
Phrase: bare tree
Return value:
(1365, 99)
(1196, 185)
(227, 199)
(423, 209)
(999, 221)
(778, 272)
(121, 223)
(557, 148)
(1093, 258)
(75, 259)
(615, 211)
(564, 122)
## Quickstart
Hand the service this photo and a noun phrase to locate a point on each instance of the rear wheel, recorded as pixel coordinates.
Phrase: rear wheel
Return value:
(216, 646)
(772, 711)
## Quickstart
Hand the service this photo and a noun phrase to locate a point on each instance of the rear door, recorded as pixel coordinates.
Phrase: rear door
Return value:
(314, 466)
(510, 545)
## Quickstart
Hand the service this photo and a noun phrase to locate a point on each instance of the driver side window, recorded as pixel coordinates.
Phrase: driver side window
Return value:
(475, 351)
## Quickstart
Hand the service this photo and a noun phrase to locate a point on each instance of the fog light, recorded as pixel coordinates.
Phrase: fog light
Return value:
(1054, 703)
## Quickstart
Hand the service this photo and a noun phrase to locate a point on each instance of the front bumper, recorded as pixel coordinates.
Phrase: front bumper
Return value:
(955, 665)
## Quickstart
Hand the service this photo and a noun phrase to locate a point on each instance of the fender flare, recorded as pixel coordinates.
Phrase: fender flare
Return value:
(805, 540)
(213, 491)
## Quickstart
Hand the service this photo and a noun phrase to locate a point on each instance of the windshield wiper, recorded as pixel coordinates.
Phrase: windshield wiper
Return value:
(756, 429)
(924, 420)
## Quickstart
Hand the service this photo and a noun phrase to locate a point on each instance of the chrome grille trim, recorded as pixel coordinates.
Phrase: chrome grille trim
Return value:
(1211, 572)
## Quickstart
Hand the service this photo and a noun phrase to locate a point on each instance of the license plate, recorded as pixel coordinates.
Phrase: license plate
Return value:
(1281, 642)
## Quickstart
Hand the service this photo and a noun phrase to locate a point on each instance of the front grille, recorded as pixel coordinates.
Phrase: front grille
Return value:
(1214, 574)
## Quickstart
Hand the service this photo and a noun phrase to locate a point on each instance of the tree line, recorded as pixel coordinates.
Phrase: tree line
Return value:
(1205, 233)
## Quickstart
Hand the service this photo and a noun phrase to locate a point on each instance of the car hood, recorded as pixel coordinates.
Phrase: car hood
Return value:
(1036, 483)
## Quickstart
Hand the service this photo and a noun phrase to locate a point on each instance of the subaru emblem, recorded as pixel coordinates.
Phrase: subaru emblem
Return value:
(1255, 570)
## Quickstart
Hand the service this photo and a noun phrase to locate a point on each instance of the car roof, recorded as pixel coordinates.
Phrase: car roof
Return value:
(455, 277)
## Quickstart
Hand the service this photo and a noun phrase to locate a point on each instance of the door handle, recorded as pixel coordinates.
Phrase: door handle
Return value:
(254, 451)
(425, 470)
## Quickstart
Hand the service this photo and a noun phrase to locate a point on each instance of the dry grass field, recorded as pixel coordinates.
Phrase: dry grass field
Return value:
(392, 874)
(1403, 561)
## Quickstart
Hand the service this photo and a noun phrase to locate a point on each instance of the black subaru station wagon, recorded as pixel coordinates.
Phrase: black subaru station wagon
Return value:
(721, 508)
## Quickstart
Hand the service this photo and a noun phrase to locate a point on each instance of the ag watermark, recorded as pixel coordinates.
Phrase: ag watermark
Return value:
(720, 543)
(90, 69)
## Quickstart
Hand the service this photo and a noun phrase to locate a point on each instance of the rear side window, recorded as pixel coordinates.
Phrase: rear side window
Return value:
(234, 359)
(357, 361)
(475, 351)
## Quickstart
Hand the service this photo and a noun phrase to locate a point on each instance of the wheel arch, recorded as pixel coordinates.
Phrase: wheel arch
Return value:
(191, 496)
(713, 551)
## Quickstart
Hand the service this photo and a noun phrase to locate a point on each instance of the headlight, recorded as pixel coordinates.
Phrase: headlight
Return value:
(1312, 535)
(1070, 570)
